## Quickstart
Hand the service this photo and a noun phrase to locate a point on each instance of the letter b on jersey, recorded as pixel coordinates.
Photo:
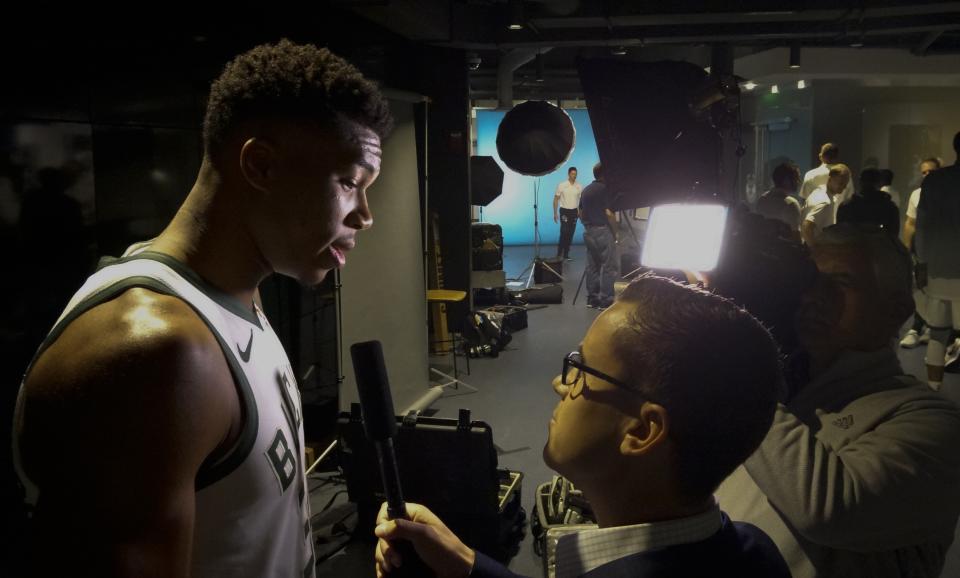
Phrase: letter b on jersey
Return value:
(283, 461)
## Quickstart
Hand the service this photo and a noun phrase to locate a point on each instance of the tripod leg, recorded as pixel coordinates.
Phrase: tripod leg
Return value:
(533, 269)
(551, 269)
(579, 286)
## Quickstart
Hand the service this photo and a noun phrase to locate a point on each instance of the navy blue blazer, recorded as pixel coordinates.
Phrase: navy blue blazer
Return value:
(738, 549)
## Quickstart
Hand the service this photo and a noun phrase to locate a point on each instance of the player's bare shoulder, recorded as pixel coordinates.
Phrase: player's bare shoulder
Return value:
(140, 356)
(139, 333)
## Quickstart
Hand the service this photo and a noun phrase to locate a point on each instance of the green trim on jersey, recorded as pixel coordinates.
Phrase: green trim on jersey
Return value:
(209, 472)
(222, 299)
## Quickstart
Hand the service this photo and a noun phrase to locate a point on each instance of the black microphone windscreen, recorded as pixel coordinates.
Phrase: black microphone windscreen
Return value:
(379, 420)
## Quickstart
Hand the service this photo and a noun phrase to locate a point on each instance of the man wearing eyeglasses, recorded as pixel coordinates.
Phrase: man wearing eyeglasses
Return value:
(647, 436)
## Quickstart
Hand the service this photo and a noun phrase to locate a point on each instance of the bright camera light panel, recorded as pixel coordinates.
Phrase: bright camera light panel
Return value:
(684, 237)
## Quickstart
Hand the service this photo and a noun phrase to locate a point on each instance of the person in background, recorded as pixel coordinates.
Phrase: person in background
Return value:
(566, 202)
(919, 333)
(829, 157)
(819, 209)
(600, 225)
(871, 205)
(777, 203)
(938, 251)
(859, 475)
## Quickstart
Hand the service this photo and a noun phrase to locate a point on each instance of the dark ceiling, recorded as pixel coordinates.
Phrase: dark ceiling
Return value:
(47, 43)
(563, 30)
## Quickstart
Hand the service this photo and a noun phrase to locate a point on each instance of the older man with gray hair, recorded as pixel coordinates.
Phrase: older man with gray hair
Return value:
(859, 473)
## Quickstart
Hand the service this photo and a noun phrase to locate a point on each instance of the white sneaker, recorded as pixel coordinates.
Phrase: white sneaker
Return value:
(925, 337)
(912, 339)
(953, 352)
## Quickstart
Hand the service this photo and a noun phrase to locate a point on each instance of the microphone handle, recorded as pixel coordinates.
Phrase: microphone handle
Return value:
(390, 475)
(413, 566)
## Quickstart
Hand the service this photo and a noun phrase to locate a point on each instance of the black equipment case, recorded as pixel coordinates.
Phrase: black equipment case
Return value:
(446, 464)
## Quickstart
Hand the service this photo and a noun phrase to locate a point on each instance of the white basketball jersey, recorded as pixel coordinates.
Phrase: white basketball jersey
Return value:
(252, 506)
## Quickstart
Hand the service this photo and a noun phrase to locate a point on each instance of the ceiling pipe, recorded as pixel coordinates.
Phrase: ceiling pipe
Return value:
(509, 62)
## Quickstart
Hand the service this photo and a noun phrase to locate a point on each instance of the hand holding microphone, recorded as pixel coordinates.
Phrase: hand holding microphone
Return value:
(397, 525)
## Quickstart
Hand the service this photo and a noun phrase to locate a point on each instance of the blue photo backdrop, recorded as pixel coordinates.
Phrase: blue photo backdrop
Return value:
(513, 209)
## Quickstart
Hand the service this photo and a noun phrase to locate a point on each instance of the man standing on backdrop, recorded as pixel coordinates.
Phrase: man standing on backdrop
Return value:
(159, 427)
(566, 201)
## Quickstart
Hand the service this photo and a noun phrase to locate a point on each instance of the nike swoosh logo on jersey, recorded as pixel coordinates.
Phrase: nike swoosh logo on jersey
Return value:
(245, 353)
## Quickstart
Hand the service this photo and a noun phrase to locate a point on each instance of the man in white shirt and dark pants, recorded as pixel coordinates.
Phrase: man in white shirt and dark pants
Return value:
(566, 201)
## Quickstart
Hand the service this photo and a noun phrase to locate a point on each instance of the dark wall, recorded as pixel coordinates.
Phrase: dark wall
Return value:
(837, 118)
(445, 80)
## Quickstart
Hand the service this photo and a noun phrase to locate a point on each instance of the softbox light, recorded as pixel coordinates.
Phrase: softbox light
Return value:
(656, 146)
(535, 138)
(486, 180)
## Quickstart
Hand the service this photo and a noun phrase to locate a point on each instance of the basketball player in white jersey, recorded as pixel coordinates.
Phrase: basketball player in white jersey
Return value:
(158, 430)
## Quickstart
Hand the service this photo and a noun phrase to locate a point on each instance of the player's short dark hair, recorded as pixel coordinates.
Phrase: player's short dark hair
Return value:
(571, 169)
(291, 81)
(597, 171)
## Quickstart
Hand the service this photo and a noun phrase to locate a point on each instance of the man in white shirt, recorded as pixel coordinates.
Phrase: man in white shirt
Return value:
(829, 156)
(914, 336)
(647, 436)
(565, 203)
(777, 202)
(819, 210)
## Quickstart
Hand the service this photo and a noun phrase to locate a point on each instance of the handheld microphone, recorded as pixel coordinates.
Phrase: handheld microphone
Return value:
(380, 426)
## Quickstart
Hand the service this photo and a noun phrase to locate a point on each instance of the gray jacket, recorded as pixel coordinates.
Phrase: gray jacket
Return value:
(858, 476)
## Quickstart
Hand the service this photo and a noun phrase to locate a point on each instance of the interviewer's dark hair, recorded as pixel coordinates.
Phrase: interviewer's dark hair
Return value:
(291, 81)
(712, 365)
(597, 171)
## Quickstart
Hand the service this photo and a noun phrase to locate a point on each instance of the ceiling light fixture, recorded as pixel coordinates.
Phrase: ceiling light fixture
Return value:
(795, 55)
(515, 8)
(801, 84)
(749, 85)
(774, 89)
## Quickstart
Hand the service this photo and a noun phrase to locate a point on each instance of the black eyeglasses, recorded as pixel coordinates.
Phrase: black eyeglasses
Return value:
(572, 366)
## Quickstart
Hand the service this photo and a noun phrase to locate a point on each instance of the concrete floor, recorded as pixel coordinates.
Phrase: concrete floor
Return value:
(516, 399)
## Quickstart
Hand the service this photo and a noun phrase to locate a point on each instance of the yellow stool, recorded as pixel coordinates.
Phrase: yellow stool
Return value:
(438, 300)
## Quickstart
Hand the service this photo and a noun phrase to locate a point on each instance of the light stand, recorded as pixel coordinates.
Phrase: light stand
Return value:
(531, 267)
